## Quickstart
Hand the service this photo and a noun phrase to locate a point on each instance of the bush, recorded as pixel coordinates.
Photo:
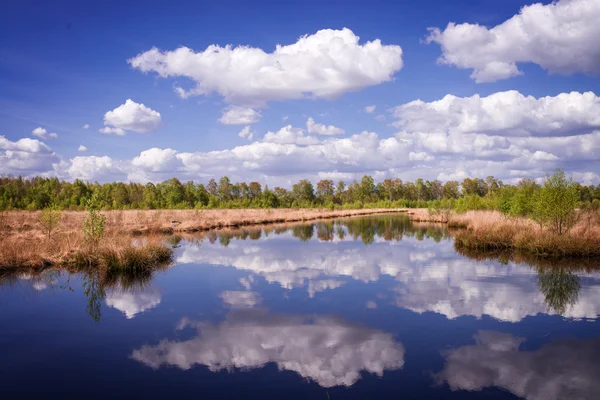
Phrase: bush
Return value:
(50, 218)
(556, 202)
(93, 226)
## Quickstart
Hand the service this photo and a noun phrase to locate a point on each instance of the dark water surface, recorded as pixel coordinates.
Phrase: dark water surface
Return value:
(369, 308)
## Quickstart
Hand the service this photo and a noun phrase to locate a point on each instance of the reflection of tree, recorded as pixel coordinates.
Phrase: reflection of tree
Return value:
(560, 286)
(94, 293)
(325, 231)
(303, 232)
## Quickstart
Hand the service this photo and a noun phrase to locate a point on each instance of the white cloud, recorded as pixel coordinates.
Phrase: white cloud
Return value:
(320, 129)
(107, 130)
(370, 109)
(235, 115)
(82, 148)
(131, 116)
(92, 168)
(26, 157)
(561, 369)
(504, 113)
(323, 65)
(561, 37)
(246, 133)
(290, 135)
(420, 156)
(86, 126)
(326, 350)
(43, 133)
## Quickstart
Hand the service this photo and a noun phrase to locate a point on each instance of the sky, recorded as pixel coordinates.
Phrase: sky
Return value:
(282, 91)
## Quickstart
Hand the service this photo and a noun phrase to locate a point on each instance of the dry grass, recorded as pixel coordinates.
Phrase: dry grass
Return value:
(423, 215)
(23, 244)
(491, 231)
(116, 251)
(169, 221)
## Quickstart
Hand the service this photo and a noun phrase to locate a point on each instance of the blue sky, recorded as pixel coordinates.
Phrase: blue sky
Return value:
(65, 64)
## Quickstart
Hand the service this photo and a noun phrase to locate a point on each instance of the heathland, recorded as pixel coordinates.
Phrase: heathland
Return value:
(49, 222)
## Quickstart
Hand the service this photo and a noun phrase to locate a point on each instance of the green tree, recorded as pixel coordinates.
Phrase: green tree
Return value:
(93, 226)
(50, 218)
(555, 203)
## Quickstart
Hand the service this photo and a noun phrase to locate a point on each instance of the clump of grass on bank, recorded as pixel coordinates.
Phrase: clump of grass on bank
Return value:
(491, 231)
(92, 245)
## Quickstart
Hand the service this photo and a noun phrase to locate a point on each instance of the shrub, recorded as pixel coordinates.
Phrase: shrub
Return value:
(50, 219)
(555, 203)
(93, 226)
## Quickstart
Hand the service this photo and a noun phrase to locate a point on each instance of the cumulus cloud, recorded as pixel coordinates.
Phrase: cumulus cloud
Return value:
(323, 65)
(505, 134)
(108, 130)
(82, 148)
(246, 133)
(131, 116)
(562, 369)
(326, 350)
(91, 168)
(86, 126)
(133, 302)
(43, 133)
(370, 109)
(236, 115)
(290, 135)
(320, 129)
(560, 37)
(26, 157)
(504, 113)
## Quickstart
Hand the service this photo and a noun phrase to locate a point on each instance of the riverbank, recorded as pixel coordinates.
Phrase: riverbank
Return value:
(493, 231)
(23, 243)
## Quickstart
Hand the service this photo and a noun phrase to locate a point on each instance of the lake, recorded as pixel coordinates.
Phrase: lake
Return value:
(370, 307)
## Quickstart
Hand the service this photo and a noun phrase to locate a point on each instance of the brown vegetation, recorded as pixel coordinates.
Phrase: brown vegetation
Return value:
(26, 242)
(489, 230)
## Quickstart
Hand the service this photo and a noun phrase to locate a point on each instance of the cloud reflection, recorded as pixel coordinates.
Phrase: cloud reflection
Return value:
(429, 276)
(132, 302)
(567, 369)
(327, 350)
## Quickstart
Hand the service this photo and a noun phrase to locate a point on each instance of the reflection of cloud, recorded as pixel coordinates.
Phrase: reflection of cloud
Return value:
(371, 304)
(559, 370)
(319, 285)
(431, 277)
(131, 303)
(37, 285)
(327, 350)
(240, 299)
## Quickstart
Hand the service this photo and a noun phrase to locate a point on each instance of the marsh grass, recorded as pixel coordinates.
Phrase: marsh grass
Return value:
(492, 231)
(114, 252)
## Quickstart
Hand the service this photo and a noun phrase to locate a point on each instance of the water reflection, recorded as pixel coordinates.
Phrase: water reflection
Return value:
(429, 275)
(327, 350)
(563, 369)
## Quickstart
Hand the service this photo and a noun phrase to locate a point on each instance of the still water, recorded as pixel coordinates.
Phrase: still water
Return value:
(365, 308)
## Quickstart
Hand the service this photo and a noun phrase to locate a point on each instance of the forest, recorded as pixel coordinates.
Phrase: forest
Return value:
(17, 193)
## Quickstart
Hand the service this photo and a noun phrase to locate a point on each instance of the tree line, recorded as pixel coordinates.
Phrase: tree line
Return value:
(17, 193)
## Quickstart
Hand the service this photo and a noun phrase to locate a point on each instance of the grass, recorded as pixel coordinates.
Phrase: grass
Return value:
(491, 231)
(170, 221)
(23, 243)
(115, 252)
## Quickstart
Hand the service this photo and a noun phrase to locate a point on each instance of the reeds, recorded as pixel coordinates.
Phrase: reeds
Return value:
(170, 221)
(114, 252)
(491, 231)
